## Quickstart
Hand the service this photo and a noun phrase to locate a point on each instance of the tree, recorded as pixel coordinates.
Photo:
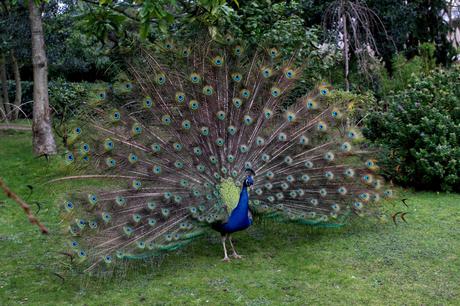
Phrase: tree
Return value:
(43, 140)
(17, 80)
(14, 46)
(6, 102)
(411, 23)
(355, 23)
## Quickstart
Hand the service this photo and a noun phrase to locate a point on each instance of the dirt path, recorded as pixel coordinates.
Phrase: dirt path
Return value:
(17, 127)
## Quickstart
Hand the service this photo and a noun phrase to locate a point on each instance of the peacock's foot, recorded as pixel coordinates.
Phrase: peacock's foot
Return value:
(234, 255)
(226, 259)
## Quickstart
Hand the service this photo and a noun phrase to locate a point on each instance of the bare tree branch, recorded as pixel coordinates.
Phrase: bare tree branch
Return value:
(32, 219)
(357, 23)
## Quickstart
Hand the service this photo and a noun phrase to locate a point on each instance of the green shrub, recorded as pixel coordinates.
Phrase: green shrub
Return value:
(420, 132)
(66, 97)
(402, 70)
(66, 100)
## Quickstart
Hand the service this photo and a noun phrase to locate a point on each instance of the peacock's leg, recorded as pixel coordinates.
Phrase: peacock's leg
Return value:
(226, 258)
(235, 254)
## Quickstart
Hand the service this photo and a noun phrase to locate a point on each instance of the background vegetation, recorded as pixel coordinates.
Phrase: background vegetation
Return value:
(375, 50)
(396, 63)
(420, 131)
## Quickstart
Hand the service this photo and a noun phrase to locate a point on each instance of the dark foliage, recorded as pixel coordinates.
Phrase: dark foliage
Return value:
(420, 132)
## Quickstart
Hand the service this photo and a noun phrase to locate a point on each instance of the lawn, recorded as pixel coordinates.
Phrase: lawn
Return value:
(367, 262)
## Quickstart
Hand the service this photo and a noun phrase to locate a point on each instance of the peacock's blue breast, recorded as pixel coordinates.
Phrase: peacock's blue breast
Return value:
(236, 224)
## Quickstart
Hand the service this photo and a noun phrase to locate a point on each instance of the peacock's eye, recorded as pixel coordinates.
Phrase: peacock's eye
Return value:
(289, 74)
(266, 72)
(275, 92)
(195, 78)
(218, 61)
(273, 52)
(180, 97)
(237, 76)
(238, 50)
(245, 93)
(161, 79)
(208, 90)
(194, 105)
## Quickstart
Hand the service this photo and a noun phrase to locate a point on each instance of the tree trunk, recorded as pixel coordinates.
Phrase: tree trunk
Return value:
(43, 141)
(345, 51)
(2, 109)
(3, 79)
(17, 80)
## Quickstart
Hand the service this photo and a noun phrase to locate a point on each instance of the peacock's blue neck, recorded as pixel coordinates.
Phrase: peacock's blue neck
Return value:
(241, 210)
(244, 199)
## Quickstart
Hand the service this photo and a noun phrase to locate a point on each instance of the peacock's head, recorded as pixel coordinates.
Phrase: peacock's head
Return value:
(249, 180)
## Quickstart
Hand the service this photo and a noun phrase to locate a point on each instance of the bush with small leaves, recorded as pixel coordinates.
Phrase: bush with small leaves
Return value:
(420, 132)
(66, 100)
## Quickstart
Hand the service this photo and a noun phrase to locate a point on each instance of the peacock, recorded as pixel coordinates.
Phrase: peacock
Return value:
(204, 136)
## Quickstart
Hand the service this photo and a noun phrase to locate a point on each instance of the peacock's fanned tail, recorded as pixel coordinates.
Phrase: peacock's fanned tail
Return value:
(157, 148)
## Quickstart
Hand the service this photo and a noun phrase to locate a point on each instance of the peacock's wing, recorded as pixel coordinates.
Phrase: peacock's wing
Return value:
(190, 121)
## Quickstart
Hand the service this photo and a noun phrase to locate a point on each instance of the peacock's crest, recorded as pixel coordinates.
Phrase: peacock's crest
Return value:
(166, 151)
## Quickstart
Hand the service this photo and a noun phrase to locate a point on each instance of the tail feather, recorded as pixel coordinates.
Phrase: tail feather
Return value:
(191, 117)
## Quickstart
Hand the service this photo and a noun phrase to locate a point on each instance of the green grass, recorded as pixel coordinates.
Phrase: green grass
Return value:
(365, 263)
